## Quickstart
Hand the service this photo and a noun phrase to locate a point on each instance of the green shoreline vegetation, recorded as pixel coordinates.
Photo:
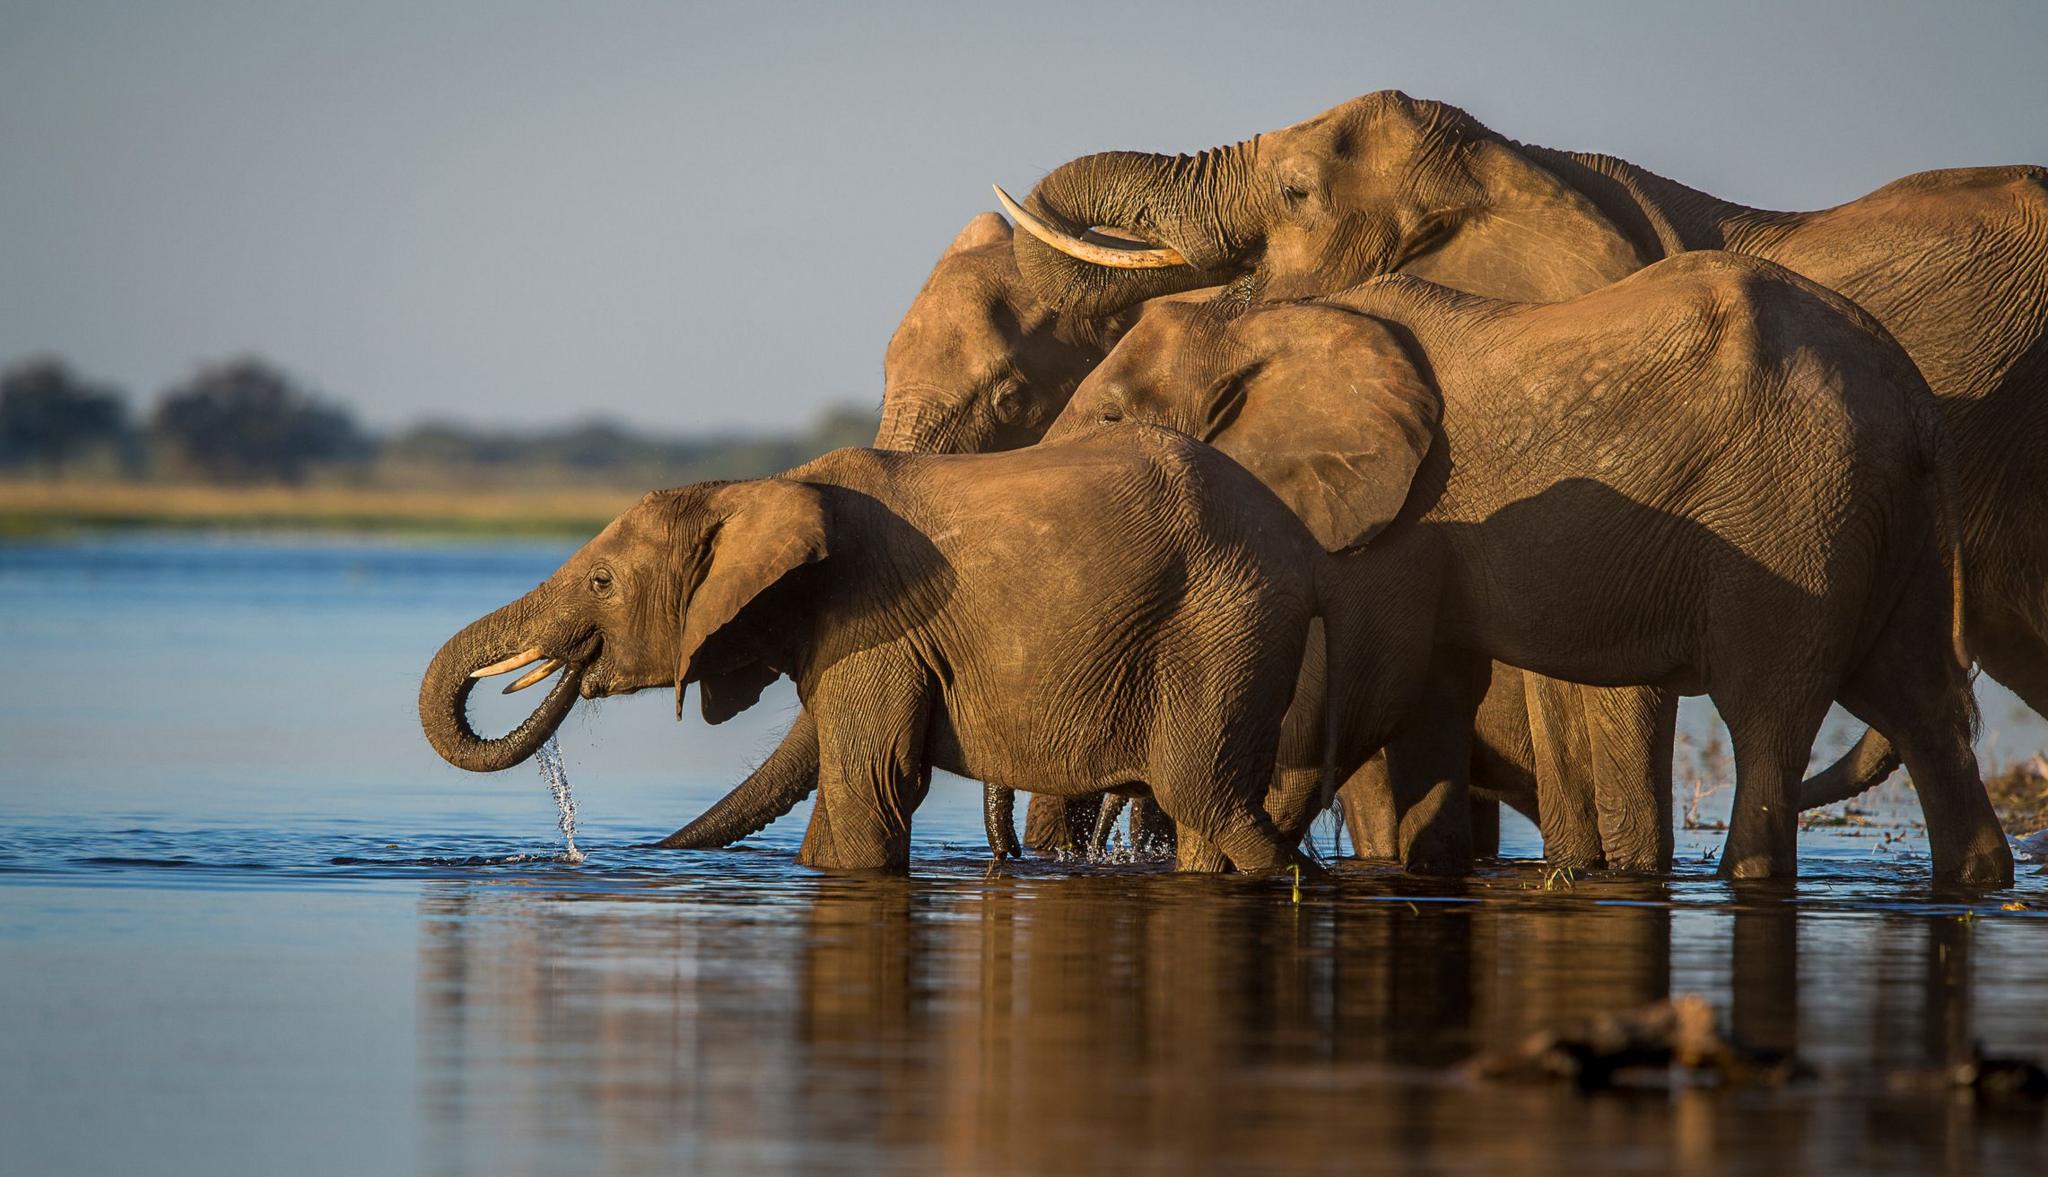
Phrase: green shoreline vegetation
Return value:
(243, 445)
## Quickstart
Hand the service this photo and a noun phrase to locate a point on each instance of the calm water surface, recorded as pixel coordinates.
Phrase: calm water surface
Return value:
(250, 924)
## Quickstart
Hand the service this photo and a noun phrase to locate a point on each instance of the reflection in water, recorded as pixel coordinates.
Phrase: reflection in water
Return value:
(1169, 1023)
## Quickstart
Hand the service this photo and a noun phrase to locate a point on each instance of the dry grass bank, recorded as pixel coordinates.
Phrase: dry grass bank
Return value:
(28, 508)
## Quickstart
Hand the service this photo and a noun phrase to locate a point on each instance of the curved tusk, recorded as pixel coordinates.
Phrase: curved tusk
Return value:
(1158, 258)
(535, 675)
(513, 663)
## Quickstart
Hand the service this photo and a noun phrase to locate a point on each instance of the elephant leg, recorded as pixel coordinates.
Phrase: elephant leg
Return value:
(1151, 831)
(1911, 688)
(1631, 731)
(1369, 813)
(1194, 852)
(1503, 758)
(1430, 764)
(1771, 748)
(789, 775)
(1111, 808)
(1563, 754)
(1293, 800)
(999, 820)
(1059, 825)
(873, 709)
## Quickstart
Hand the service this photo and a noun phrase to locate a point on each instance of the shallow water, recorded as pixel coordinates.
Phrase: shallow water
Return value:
(249, 923)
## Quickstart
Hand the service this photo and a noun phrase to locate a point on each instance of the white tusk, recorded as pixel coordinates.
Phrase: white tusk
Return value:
(535, 675)
(1158, 258)
(513, 663)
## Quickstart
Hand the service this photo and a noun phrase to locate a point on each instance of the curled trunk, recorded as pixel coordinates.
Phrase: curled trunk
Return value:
(444, 695)
(1199, 205)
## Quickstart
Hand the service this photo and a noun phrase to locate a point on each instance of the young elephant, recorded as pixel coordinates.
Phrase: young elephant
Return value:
(1125, 609)
(1711, 477)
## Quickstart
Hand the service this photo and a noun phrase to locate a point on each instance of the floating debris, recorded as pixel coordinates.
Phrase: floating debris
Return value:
(1591, 1053)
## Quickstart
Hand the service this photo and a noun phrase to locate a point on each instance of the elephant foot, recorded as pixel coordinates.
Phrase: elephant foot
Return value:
(1755, 866)
(1439, 852)
(1984, 868)
(822, 849)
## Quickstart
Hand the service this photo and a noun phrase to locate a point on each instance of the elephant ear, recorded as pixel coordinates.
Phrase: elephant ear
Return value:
(1332, 415)
(1530, 237)
(987, 228)
(770, 528)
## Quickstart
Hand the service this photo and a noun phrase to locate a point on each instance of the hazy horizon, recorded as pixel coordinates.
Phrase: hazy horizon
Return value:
(509, 215)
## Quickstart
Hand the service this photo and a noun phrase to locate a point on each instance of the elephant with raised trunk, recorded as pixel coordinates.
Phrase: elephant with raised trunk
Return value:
(1714, 477)
(1953, 263)
(1124, 610)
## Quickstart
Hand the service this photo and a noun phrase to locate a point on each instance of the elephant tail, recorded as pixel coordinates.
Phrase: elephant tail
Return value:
(789, 775)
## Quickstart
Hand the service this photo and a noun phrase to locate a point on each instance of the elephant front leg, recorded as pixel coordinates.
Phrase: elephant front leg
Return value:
(1430, 765)
(872, 710)
(1562, 751)
(1631, 731)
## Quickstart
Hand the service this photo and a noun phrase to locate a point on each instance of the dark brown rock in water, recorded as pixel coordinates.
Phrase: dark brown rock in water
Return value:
(1681, 1031)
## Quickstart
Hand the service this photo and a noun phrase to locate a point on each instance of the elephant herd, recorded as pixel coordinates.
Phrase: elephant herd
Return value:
(1379, 457)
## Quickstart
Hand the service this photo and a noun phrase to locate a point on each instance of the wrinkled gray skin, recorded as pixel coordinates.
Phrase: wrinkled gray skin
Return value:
(1154, 647)
(1713, 476)
(1953, 263)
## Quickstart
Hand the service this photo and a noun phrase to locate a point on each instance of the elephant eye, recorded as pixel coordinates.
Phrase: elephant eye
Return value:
(1292, 194)
(601, 581)
(1112, 416)
(1009, 404)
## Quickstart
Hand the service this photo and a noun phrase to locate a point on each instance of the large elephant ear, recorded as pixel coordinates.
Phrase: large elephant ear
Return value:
(1530, 237)
(770, 528)
(1331, 414)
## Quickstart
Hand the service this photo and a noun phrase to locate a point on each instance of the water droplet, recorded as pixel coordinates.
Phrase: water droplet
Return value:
(550, 760)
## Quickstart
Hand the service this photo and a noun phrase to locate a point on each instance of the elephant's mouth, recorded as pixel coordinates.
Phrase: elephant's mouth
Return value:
(539, 664)
(573, 663)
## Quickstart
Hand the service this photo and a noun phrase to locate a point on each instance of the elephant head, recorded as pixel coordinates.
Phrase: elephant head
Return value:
(676, 590)
(1322, 403)
(980, 362)
(1381, 183)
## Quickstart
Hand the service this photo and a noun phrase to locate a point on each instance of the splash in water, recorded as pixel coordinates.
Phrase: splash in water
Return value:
(550, 760)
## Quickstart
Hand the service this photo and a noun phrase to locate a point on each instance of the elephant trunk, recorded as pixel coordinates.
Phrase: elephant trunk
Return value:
(444, 694)
(1200, 206)
(922, 420)
(789, 775)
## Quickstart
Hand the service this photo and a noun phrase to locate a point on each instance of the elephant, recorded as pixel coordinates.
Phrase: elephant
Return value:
(1950, 262)
(1714, 477)
(979, 363)
(1125, 609)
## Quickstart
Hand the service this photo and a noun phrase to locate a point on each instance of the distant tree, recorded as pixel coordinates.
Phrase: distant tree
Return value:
(245, 421)
(48, 415)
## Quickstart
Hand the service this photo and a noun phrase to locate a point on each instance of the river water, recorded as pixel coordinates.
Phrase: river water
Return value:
(250, 924)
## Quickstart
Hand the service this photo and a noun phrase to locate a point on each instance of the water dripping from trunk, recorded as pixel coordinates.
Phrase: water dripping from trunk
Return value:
(550, 760)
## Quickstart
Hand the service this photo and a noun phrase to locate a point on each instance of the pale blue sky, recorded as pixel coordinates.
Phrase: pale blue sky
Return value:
(713, 215)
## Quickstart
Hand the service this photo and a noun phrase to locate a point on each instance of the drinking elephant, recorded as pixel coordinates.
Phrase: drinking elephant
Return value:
(1154, 639)
(1714, 477)
(1951, 262)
